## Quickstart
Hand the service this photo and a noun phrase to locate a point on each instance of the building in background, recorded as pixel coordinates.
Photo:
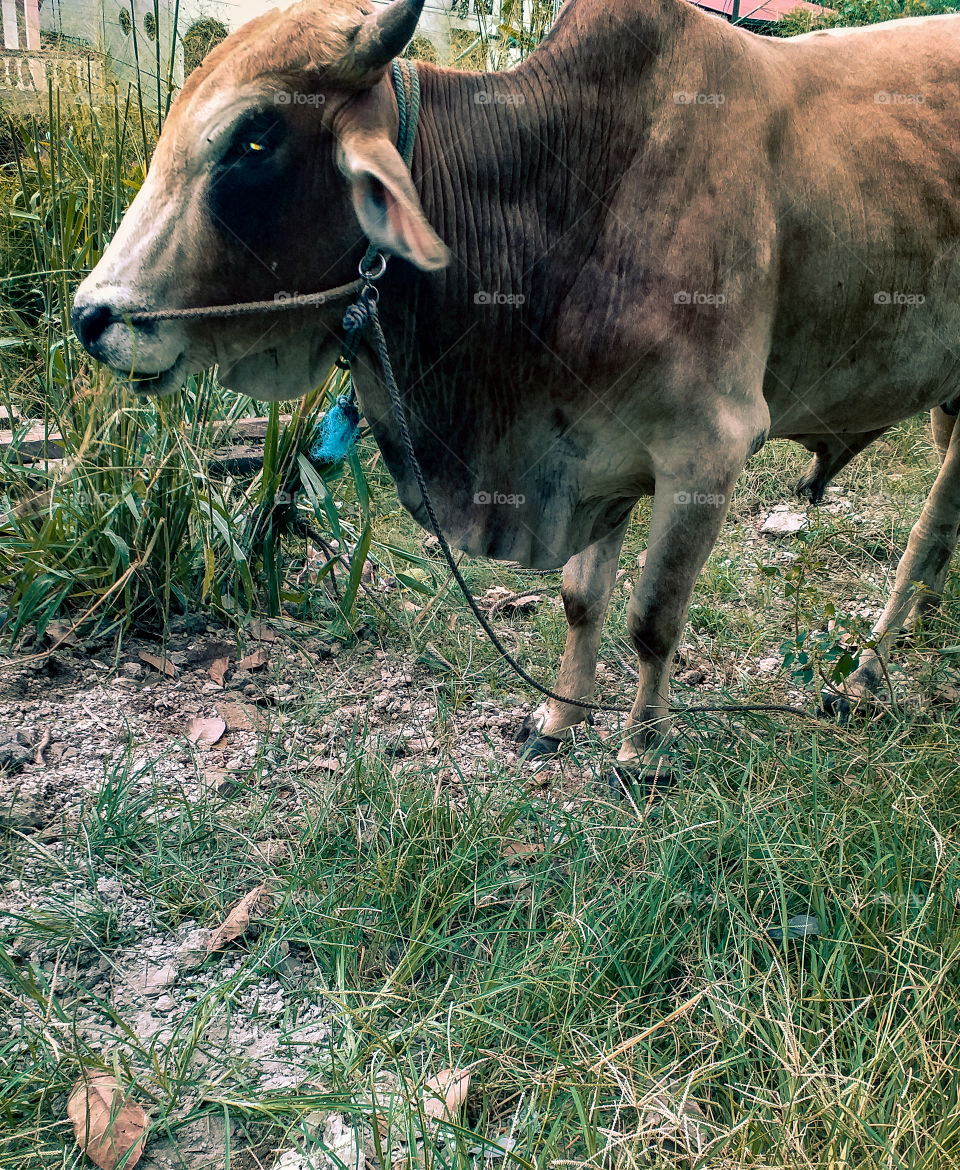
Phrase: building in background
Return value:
(91, 45)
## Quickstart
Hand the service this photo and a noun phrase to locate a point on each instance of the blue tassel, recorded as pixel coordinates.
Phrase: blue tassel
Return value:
(337, 432)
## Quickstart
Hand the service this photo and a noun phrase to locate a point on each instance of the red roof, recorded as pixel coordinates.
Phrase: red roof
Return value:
(758, 9)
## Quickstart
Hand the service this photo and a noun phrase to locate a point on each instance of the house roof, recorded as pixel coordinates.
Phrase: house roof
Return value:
(762, 10)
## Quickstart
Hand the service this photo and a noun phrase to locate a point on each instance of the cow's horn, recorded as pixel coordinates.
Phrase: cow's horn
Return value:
(385, 34)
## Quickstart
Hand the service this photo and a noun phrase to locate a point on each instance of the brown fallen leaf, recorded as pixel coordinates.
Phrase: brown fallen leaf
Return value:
(262, 632)
(60, 634)
(206, 731)
(444, 1094)
(107, 1124)
(260, 657)
(237, 920)
(237, 716)
(498, 598)
(522, 850)
(164, 665)
(219, 668)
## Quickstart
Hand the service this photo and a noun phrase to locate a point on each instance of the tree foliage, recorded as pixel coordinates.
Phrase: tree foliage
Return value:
(845, 13)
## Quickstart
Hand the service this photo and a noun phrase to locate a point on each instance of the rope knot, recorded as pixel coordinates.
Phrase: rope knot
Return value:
(355, 318)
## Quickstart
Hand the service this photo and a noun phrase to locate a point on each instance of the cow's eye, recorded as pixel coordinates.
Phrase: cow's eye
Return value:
(248, 148)
(255, 141)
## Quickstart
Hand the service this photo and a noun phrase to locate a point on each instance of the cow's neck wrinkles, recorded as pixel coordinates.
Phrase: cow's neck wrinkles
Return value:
(513, 169)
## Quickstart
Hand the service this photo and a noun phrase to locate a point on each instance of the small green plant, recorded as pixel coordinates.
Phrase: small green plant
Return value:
(824, 643)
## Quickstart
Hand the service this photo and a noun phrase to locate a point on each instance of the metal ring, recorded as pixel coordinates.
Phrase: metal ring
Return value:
(380, 267)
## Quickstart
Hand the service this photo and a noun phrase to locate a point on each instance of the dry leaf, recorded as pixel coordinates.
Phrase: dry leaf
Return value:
(444, 1094)
(237, 920)
(523, 850)
(237, 717)
(681, 1124)
(164, 665)
(106, 1123)
(218, 668)
(261, 632)
(498, 598)
(206, 731)
(260, 657)
(60, 634)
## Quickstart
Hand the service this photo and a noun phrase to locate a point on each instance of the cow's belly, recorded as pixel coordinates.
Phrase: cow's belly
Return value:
(866, 379)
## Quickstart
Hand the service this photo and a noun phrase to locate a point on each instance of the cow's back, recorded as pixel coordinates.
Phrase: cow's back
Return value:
(868, 220)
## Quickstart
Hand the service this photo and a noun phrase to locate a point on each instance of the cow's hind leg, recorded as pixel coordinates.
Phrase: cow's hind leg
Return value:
(588, 581)
(942, 419)
(831, 455)
(922, 570)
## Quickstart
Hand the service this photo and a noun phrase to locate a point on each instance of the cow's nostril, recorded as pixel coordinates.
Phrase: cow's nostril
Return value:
(89, 322)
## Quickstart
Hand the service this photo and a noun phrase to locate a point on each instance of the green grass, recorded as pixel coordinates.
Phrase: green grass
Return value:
(553, 978)
(623, 967)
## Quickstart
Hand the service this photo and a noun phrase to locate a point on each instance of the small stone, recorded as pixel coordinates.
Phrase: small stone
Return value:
(13, 755)
(783, 523)
(157, 979)
(768, 665)
(132, 670)
(109, 889)
(164, 1004)
(20, 811)
(193, 949)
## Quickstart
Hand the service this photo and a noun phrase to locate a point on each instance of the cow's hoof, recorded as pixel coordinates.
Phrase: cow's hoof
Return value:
(643, 782)
(527, 728)
(534, 745)
(537, 746)
(835, 707)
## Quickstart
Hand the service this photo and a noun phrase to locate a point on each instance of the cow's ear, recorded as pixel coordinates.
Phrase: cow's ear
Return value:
(386, 201)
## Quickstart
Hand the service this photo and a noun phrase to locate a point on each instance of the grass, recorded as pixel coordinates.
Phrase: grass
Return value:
(627, 964)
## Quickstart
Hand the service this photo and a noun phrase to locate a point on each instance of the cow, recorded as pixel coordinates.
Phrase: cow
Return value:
(615, 270)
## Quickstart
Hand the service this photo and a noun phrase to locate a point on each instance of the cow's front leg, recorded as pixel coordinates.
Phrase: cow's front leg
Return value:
(688, 513)
(588, 581)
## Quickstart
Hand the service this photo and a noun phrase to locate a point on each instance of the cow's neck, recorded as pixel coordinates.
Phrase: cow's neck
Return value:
(515, 171)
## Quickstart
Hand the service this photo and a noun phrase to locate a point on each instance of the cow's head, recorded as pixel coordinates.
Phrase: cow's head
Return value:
(275, 166)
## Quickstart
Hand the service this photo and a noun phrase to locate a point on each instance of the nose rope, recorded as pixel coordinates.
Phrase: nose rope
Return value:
(279, 304)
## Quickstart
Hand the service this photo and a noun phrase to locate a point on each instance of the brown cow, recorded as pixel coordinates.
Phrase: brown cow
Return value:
(619, 268)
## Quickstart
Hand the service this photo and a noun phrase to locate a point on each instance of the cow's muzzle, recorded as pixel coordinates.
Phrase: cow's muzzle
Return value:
(149, 355)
